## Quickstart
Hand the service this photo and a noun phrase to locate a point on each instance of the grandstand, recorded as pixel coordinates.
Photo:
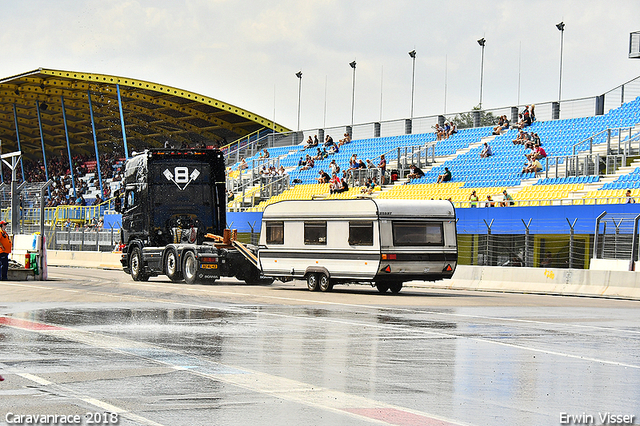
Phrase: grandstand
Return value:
(563, 180)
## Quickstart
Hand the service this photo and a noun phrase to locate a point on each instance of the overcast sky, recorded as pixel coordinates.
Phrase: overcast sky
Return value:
(248, 52)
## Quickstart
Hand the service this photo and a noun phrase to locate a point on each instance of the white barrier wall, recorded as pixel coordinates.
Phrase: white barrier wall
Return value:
(579, 282)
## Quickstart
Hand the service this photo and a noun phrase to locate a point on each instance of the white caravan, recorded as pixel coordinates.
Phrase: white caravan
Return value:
(381, 242)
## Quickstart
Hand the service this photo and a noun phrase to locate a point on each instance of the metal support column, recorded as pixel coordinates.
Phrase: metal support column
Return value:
(595, 234)
(15, 118)
(44, 155)
(124, 133)
(571, 241)
(66, 134)
(95, 143)
(527, 258)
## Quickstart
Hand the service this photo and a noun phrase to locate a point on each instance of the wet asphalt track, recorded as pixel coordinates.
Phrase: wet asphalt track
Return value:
(95, 344)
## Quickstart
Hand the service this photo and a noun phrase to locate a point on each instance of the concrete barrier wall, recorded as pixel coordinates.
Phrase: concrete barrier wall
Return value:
(576, 282)
(85, 259)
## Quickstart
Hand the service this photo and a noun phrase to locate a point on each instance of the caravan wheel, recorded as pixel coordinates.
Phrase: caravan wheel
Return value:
(395, 287)
(382, 287)
(325, 283)
(312, 282)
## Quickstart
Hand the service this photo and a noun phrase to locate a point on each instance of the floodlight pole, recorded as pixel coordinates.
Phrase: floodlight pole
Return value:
(15, 203)
(481, 42)
(413, 78)
(560, 27)
(299, 75)
(95, 143)
(66, 133)
(353, 92)
(124, 133)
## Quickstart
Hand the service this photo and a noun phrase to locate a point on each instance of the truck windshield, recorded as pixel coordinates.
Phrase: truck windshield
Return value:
(417, 234)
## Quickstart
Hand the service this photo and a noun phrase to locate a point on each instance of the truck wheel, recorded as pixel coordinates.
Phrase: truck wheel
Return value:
(171, 266)
(395, 287)
(136, 265)
(312, 282)
(190, 268)
(325, 283)
(382, 287)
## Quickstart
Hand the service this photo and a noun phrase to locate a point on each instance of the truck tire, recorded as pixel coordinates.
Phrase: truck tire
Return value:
(395, 287)
(325, 283)
(190, 267)
(136, 265)
(382, 287)
(171, 266)
(312, 282)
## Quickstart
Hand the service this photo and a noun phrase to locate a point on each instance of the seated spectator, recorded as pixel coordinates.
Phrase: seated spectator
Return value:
(416, 172)
(353, 162)
(533, 166)
(445, 130)
(444, 177)
(362, 165)
(333, 148)
(520, 139)
(630, 199)
(334, 167)
(309, 143)
(526, 116)
(264, 154)
(309, 163)
(243, 164)
(345, 140)
(452, 129)
(370, 165)
(486, 151)
(301, 162)
(539, 152)
(328, 142)
(334, 183)
(97, 201)
(315, 140)
(366, 186)
(324, 177)
(507, 199)
(230, 195)
(498, 128)
(439, 132)
(489, 202)
(318, 155)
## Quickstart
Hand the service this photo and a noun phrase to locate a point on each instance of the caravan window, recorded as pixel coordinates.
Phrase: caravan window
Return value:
(275, 232)
(417, 234)
(361, 233)
(315, 233)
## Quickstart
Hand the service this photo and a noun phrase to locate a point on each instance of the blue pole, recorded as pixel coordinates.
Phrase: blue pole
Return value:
(95, 143)
(44, 155)
(124, 133)
(66, 134)
(15, 118)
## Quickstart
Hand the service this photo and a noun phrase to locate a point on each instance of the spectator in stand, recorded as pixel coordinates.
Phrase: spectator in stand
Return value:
(452, 128)
(353, 162)
(345, 140)
(370, 164)
(497, 129)
(324, 177)
(445, 130)
(489, 202)
(444, 177)
(318, 155)
(533, 166)
(333, 148)
(630, 199)
(334, 167)
(539, 152)
(382, 165)
(301, 162)
(473, 199)
(486, 151)
(507, 200)
(526, 116)
(334, 183)
(309, 143)
(315, 140)
(520, 139)
(361, 164)
(439, 132)
(328, 142)
(97, 201)
(243, 164)
(416, 173)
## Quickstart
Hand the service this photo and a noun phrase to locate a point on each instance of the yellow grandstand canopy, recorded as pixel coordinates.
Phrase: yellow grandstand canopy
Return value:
(153, 114)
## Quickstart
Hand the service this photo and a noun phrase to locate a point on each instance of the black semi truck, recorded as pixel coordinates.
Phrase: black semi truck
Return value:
(174, 219)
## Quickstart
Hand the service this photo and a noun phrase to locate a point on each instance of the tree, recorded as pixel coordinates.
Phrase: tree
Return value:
(465, 119)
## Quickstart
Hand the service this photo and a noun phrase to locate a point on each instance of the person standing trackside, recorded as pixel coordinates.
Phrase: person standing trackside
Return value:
(5, 249)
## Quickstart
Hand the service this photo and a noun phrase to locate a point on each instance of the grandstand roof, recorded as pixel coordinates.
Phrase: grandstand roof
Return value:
(153, 113)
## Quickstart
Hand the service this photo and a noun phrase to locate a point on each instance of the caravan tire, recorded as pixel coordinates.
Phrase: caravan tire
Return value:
(395, 287)
(382, 287)
(312, 282)
(325, 283)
